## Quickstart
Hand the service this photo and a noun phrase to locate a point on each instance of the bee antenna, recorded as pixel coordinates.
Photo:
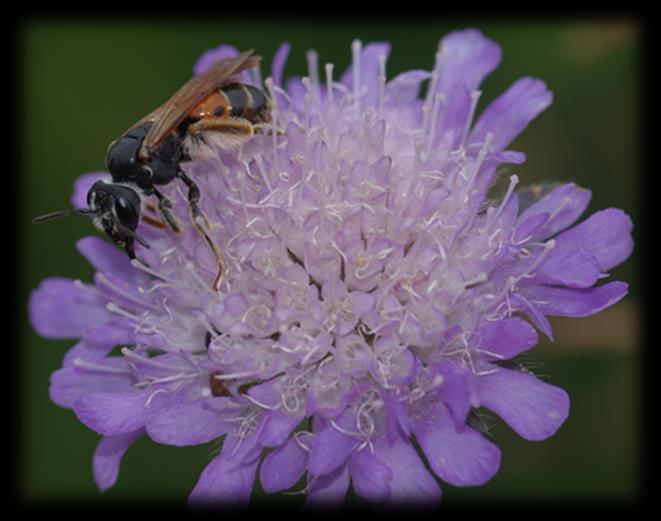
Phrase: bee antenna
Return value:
(62, 213)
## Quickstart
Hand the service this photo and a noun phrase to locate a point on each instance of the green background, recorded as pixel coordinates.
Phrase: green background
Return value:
(83, 82)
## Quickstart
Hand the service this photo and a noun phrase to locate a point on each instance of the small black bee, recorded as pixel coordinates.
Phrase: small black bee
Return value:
(149, 154)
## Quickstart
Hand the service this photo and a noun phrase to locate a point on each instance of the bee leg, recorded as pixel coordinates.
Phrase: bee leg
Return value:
(267, 129)
(197, 217)
(224, 133)
(164, 205)
(129, 247)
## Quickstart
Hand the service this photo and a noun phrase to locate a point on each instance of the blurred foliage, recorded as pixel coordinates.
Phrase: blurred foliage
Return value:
(83, 82)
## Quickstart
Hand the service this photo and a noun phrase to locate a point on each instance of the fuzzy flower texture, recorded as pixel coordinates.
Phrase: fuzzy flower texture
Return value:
(375, 294)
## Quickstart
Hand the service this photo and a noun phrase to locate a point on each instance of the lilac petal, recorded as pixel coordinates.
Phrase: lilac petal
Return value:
(525, 229)
(331, 448)
(466, 58)
(59, 308)
(410, 483)
(211, 56)
(454, 389)
(190, 423)
(112, 414)
(92, 351)
(329, 490)
(507, 338)
(278, 64)
(267, 394)
(534, 314)
(510, 113)
(105, 257)
(566, 266)
(277, 428)
(461, 458)
(569, 302)
(361, 303)
(534, 409)
(369, 71)
(606, 235)
(283, 467)
(398, 420)
(370, 476)
(223, 482)
(69, 384)
(405, 87)
(108, 456)
(83, 184)
(564, 204)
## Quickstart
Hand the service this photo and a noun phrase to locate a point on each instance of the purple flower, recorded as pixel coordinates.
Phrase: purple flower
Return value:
(373, 295)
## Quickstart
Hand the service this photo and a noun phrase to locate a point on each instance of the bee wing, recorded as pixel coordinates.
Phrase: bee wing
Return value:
(173, 112)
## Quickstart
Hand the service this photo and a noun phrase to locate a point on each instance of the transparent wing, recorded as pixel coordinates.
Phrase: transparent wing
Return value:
(173, 112)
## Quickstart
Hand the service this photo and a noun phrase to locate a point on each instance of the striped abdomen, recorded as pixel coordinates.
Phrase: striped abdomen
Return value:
(234, 100)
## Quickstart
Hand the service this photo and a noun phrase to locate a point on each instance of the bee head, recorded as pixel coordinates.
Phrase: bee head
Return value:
(116, 210)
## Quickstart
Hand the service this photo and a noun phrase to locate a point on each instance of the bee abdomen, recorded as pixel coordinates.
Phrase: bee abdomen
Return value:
(246, 102)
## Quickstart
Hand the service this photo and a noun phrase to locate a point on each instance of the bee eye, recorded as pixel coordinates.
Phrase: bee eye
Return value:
(126, 212)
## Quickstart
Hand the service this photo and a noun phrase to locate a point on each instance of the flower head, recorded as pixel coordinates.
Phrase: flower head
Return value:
(374, 293)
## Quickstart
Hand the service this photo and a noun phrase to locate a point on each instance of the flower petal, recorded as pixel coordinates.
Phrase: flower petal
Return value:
(605, 234)
(108, 456)
(112, 413)
(507, 338)
(190, 423)
(454, 389)
(283, 467)
(566, 266)
(329, 490)
(564, 204)
(461, 458)
(60, 308)
(370, 476)
(467, 56)
(106, 257)
(330, 450)
(211, 56)
(223, 482)
(70, 383)
(277, 428)
(278, 64)
(534, 409)
(569, 302)
(405, 87)
(411, 483)
(510, 113)
(369, 71)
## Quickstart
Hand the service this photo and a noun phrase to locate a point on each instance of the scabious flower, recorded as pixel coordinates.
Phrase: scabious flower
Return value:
(374, 296)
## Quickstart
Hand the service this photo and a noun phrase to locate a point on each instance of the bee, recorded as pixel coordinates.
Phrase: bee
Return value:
(213, 107)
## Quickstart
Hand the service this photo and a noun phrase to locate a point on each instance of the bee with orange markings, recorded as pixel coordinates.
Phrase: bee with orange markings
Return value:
(149, 154)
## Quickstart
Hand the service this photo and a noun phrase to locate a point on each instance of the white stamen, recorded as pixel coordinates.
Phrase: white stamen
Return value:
(313, 69)
(137, 264)
(482, 277)
(382, 82)
(439, 98)
(514, 180)
(329, 81)
(86, 364)
(475, 96)
(356, 48)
